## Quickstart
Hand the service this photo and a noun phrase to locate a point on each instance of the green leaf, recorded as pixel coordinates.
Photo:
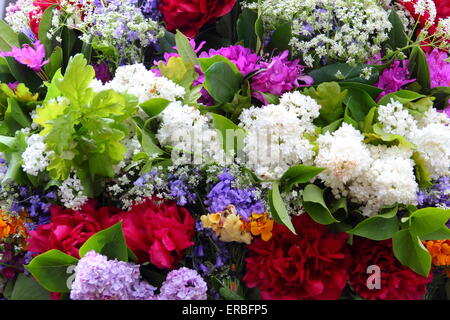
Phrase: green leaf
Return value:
(228, 131)
(53, 91)
(332, 126)
(246, 28)
(75, 84)
(221, 82)
(370, 90)
(380, 227)
(402, 96)
(167, 42)
(359, 103)
(281, 37)
(330, 97)
(205, 63)
(229, 294)
(185, 49)
(410, 251)
(155, 106)
(443, 233)
(428, 220)
(379, 136)
(315, 205)
(149, 143)
(26, 288)
(278, 208)
(418, 66)
(23, 74)
(422, 174)
(109, 242)
(8, 38)
(442, 95)
(259, 31)
(397, 37)
(69, 39)
(44, 27)
(298, 174)
(179, 71)
(51, 270)
(15, 113)
(348, 73)
(55, 63)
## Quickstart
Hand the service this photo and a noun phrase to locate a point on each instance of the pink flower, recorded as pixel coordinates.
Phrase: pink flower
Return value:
(29, 56)
(280, 75)
(394, 78)
(439, 68)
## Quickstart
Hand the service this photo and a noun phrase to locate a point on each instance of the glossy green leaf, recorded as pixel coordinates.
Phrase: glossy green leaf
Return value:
(50, 269)
(221, 82)
(314, 204)
(428, 220)
(109, 242)
(298, 174)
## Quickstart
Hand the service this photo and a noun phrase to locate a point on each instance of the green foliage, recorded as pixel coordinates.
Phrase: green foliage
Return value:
(380, 227)
(231, 135)
(422, 174)
(281, 37)
(8, 38)
(246, 28)
(442, 95)
(397, 37)
(13, 147)
(222, 81)
(278, 208)
(343, 72)
(314, 204)
(26, 288)
(179, 71)
(84, 130)
(109, 242)
(331, 98)
(298, 174)
(50, 269)
(410, 251)
(428, 220)
(418, 66)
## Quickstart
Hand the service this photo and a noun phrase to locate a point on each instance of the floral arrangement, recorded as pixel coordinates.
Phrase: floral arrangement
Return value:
(194, 149)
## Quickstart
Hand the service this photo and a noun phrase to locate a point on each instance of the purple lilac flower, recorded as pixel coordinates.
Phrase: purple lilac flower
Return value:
(180, 192)
(97, 278)
(209, 252)
(280, 75)
(150, 9)
(183, 284)
(436, 196)
(223, 194)
(32, 57)
(102, 72)
(439, 68)
(394, 78)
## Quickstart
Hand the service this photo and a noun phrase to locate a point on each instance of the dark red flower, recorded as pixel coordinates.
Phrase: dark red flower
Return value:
(311, 265)
(158, 231)
(398, 282)
(69, 229)
(189, 16)
(442, 8)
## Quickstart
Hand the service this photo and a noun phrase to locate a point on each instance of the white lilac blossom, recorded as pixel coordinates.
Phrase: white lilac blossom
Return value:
(71, 193)
(275, 135)
(372, 176)
(344, 156)
(136, 79)
(183, 284)
(429, 133)
(122, 26)
(389, 180)
(329, 30)
(190, 135)
(35, 157)
(97, 278)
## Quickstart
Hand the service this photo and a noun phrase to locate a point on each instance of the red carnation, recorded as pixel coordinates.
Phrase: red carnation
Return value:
(158, 231)
(190, 15)
(311, 265)
(398, 282)
(69, 229)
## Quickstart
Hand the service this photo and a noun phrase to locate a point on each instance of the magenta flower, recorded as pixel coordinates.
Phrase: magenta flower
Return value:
(280, 75)
(245, 59)
(439, 68)
(394, 78)
(32, 57)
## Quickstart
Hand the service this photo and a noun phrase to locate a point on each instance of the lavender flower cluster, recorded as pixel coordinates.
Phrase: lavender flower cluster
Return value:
(223, 193)
(97, 278)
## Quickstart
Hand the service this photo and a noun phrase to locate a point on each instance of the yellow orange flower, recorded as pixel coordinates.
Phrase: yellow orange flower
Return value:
(440, 253)
(13, 225)
(228, 225)
(261, 224)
